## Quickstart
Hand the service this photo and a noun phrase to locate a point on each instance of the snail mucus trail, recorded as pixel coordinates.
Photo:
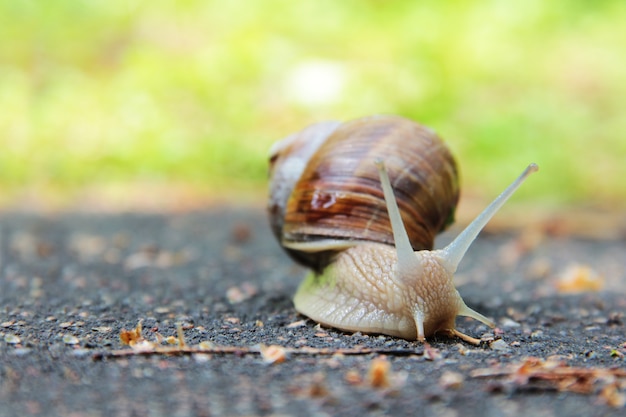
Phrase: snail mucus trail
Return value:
(366, 279)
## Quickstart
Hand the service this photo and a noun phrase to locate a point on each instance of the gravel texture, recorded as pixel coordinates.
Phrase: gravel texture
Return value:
(70, 283)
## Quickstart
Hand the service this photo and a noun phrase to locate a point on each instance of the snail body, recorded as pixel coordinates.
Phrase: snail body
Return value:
(360, 204)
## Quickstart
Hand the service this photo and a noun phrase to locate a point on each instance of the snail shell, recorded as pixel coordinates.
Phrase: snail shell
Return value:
(326, 194)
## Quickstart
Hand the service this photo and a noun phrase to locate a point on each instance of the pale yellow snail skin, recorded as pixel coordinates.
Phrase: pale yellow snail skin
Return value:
(376, 288)
(326, 209)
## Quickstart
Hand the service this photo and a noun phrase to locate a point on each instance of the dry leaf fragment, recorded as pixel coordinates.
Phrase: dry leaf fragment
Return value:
(295, 324)
(579, 278)
(241, 293)
(453, 380)
(611, 395)
(318, 386)
(232, 320)
(180, 335)
(378, 374)
(206, 345)
(273, 353)
(143, 346)
(430, 353)
(353, 377)
(160, 339)
(131, 337)
(555, 374)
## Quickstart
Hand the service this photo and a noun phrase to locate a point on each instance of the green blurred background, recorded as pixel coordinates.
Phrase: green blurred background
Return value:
(133, 97)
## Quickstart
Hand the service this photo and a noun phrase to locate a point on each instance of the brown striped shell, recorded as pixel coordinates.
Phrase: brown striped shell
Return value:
(325, 192)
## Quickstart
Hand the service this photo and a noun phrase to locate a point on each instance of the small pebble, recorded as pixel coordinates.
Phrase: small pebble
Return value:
(21, 351)
(201, 357)
(12, 339)
(81, 353)
(102, 329)
(68, 339)
(206, 345)
(499, 344)
(509, 323)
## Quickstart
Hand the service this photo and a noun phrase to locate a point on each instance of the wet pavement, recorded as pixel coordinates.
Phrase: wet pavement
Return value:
(70, 283)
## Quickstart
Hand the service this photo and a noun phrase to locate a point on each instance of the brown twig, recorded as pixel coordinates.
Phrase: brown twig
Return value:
(556, 375)
(239, 351)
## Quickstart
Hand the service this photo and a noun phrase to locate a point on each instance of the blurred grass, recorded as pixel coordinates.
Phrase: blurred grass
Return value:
(96, 93)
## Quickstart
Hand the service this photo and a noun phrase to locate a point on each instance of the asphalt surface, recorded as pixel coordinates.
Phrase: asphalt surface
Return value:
(70, 283)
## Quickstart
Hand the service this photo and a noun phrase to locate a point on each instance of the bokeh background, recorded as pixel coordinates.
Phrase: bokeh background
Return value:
(111, 100)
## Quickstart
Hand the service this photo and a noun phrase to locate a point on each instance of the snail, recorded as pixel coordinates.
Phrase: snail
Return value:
(360, 204)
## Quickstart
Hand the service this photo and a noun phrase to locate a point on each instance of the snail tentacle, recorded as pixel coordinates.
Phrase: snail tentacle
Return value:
(408, 263)
(454, 252)
(468, 312)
